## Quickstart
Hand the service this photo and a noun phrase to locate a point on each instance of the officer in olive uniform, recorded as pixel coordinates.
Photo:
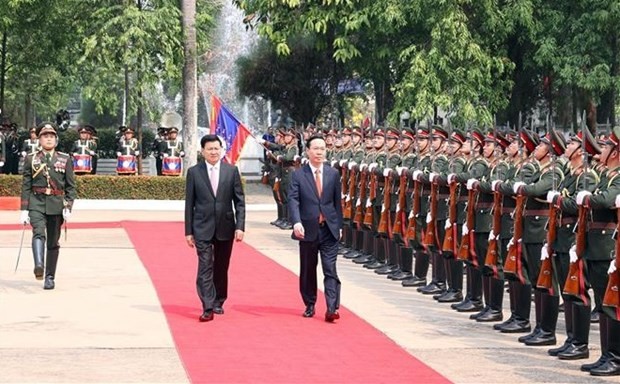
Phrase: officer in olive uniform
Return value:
(48, 192)
(287, 162)
(576, 312)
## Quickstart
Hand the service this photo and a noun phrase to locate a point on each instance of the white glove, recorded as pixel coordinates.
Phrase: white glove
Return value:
(358, 202)
(612, 267)
(471, 184)
(399, 170)
(333, 162)
(118, 154)
(92, 153)
(551, 196)
(452, 178)
(618, 201)
(429, 218)
(24, 217)
(372, 166)
(581, 195)
(182, 154)
(137, 153)
(432, 176)
(24, 154)
(416, 174)
(296, 158)
(464, 230)
(166, 155)
(352, 164)
(66, 214)
(387, 172)
(304, 160)
(260, 140)
(363, 166)
(368, 202)
(279, 158)
(544, 252)
(511, 242)
(1, 163)
(342, 162)
(491, 236)
(495, 184)
(573, 254)
(516, 186)
(448, 225)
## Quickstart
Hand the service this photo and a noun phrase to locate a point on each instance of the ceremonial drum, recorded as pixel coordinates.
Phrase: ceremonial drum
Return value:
(126, 165)
(82, 163)
(171, 166)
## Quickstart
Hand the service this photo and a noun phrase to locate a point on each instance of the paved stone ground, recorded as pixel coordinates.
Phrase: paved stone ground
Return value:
(104, 324)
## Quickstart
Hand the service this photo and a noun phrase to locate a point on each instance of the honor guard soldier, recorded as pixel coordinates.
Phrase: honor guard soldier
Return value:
(30, 145)
(271, 172)
(48, 192)
(172, 151)
(2, 151)
(286, 160)
(576, 312)
(597, 255)
(11, 165)
(126, 152)
(160, 137)
(531, 225)
(84, 151)
(329, 143)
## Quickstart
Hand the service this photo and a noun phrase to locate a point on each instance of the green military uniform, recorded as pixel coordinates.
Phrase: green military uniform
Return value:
(83, 147)
(273, 170)
(172, 147)
(287, 163)
(48, 189)
(30, 146)
(2, 152)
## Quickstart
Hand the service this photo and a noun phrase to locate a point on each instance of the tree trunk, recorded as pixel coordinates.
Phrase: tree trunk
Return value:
(27, 108)
(2, 70)
(139, 129)
(190, 116)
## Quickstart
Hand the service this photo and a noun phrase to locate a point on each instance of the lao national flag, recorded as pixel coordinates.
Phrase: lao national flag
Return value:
(227, 126)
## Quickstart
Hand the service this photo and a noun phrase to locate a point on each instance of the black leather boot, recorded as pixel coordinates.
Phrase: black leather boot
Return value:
(548, 321)
(391, 264)
(379, 253)
(496, 297)
(568, 321)
(578, 349)
(38, 253)
(611, 333)
(523, 301)
(405, 261)
(538, 314)
(421, 264)
(603, 326)
(50, 269)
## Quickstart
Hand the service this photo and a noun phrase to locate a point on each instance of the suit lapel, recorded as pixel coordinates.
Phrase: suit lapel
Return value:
(204, 173)
(223, 177)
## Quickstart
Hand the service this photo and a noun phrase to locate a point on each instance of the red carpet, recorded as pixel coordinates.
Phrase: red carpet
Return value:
(262, 336)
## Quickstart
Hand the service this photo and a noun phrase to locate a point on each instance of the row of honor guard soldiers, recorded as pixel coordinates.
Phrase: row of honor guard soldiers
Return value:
(9, 148)
(537, 213)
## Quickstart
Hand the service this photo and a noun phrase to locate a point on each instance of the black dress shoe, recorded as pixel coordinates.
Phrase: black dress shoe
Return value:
(414, 281)
(590, 366)
(611, 367)
(309, 312)
(206, 316)
(561, 348)
(541, 338)
(363, 259)
(49, 282)
(517, 326)
(451, 297)
(400, 275)
(466, 301)
(374, 265)
(386, 269)
(218, 310)
(471, 306)
(433, 288)
(594, 317)
(575, 352)
(352, 255)
(476, 315)
(490, 316)
(331, 316)
(498, 327)
(534, 333)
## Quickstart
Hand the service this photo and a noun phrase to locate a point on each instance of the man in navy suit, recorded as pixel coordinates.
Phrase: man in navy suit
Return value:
(212, 190)
(315, 211)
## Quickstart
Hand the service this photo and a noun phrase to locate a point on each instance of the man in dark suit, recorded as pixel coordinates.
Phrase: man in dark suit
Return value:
(315, 211)
(212, 190)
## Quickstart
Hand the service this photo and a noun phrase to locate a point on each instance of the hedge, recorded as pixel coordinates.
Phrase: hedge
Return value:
(112, 187)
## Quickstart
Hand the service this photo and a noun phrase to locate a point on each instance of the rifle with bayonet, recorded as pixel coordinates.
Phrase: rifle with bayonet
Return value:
(412, 225)
(491, 259)
(545, 275)
(612, 294)
(430, 238)
(451, 235)
(467, 249)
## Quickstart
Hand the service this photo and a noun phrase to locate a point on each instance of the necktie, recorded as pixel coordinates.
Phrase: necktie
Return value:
(214, 180)
(48, 157)
(319, 188)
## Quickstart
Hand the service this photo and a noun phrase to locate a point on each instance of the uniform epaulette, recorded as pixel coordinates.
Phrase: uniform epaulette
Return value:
(62, 154)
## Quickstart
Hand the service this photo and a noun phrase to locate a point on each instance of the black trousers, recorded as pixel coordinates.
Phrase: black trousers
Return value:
(309, 251)
(212, 278)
